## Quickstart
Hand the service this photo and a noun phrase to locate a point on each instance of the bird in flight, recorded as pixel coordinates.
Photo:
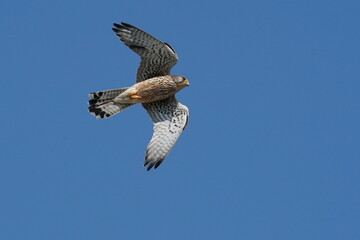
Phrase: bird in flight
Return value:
(155, 89)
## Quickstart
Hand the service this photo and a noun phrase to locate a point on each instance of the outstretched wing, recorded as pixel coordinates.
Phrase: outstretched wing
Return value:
(170, 118)
(157, 57)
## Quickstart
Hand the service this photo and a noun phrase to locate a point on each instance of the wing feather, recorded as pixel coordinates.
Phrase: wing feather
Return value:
(170, 118)
(157, 57)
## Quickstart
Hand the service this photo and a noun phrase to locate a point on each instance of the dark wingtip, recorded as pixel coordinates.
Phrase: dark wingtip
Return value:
(123, 25)
(150, 166)
(117, 25)
(146, 162)
(157, 164)
(127, 25)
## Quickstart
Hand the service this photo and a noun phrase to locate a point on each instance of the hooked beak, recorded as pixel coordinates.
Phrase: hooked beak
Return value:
(187, 82)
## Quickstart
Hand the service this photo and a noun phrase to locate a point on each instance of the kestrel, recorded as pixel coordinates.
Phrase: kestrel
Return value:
(155, 89)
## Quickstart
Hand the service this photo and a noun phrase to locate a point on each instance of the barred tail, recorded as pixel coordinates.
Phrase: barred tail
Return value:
(102, 103)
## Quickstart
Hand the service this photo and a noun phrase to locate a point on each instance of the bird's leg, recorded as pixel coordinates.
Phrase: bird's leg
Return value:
(134, 95)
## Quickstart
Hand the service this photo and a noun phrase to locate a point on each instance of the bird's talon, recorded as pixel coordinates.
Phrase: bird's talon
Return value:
(134, 95)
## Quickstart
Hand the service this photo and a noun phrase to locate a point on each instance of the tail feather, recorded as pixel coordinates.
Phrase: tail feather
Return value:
(102, 103)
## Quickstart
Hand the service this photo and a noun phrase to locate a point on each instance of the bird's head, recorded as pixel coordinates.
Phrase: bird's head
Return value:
(180, 81)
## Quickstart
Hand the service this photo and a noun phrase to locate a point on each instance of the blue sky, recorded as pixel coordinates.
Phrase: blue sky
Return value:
(271, 150)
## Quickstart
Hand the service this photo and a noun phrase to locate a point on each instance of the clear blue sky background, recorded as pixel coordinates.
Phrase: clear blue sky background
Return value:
(271, 150)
